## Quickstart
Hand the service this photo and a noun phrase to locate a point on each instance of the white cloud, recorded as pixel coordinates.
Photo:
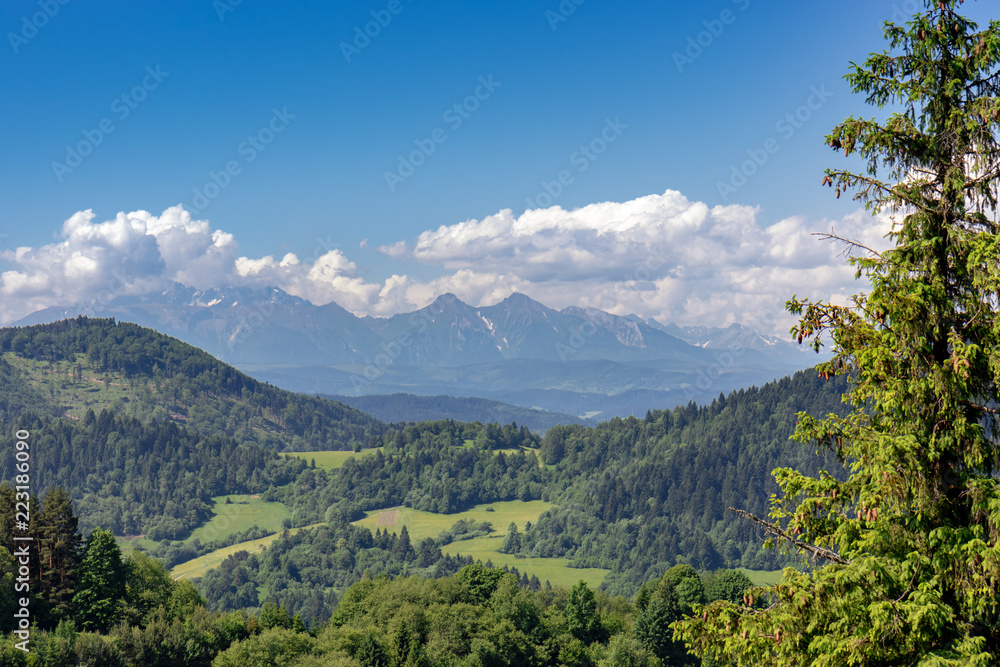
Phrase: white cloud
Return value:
(659, 256)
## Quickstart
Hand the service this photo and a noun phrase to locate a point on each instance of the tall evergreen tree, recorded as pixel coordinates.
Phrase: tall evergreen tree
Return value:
(402, 548)
(59, 550)
(511, 541)
(583, 620)
(100, 595)
(910, 537)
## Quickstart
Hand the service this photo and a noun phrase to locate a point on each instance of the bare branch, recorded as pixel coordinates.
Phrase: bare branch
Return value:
(778, 532)
(830, 236)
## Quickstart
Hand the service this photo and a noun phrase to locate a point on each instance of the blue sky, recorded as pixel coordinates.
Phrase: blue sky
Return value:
(189, 88)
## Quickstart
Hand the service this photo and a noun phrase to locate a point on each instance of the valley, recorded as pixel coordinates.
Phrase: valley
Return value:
(232, 483)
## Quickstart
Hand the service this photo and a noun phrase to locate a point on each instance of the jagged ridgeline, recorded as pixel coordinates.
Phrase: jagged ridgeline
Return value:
(142, 429)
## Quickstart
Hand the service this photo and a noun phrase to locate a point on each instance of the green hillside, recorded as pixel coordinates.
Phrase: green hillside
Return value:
(86, 363)
(151, 437)
(143, 430)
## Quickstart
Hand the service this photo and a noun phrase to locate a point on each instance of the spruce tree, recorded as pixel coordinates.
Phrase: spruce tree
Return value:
(59, 550)
(511, 541)
(402, 549)
(100, 595)
(583, 619)
(905, 545)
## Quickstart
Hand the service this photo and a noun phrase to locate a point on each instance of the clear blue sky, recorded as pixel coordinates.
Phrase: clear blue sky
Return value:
(323, 175)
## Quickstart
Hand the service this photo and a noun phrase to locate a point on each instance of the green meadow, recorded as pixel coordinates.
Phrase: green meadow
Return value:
(331, 460)
(427, 524)
(556, 570)
(421, 524)
(200, 565)
(242, 513)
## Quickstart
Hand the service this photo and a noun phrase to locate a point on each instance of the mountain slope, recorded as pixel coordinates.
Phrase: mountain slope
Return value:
(92, 363)
(510, 351)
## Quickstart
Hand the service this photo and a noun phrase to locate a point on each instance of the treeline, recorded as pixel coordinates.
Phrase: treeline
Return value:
(180, 381)
(482, 616)
(153, 478)
(429, 467)
(303, 573)
(478, 616)
(639, 495)
(68, 580)
(394, 408)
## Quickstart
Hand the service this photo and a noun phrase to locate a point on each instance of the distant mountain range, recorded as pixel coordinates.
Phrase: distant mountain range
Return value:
(579, 361)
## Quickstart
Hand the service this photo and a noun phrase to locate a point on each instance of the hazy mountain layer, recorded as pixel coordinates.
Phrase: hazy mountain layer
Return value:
(579, 361)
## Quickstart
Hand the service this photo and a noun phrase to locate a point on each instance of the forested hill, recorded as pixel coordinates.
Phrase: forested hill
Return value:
(635, 496)
(395, 408)
(74, 365)
(143, 430)
(638, 496)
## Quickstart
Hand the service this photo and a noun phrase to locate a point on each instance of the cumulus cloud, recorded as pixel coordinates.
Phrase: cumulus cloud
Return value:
(138, 253)
(659, 256)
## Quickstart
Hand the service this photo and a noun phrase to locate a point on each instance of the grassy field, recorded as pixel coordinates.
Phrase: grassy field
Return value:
(198, 566)
(244, 512)
(763, 577)
(426, 524)
(555, 570)
(331, 460)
